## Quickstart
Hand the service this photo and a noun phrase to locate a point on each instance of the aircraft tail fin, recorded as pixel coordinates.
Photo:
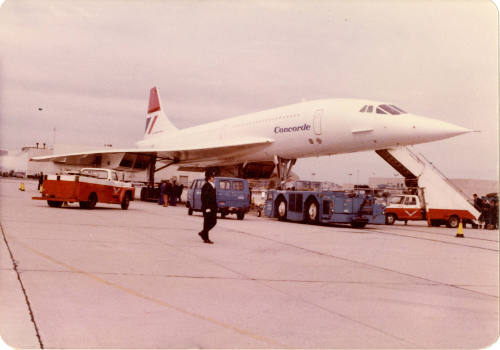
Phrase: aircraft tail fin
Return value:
(156, 120)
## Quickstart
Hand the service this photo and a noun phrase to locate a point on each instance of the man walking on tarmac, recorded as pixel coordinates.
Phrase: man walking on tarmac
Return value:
(208, 205)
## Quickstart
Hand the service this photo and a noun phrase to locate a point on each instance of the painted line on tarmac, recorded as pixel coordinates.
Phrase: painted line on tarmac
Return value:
(151, 299)
(457, 286)
(28, 304)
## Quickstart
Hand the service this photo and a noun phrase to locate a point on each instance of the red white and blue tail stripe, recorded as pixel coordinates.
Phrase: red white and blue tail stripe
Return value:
(156, 120)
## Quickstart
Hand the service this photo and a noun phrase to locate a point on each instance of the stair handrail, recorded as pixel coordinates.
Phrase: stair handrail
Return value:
(414, 155)
(455, 187)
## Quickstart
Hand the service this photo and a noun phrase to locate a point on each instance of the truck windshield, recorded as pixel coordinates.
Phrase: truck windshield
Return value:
(397, 200)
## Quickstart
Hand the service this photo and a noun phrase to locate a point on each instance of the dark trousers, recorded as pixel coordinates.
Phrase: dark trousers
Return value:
(209, 221)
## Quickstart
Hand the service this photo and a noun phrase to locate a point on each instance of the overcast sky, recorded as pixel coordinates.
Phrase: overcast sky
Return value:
(90, 64)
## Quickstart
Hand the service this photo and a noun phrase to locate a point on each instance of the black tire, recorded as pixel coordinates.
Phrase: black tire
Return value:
(126, 201)
(435, 223)
(190, 210)
(240, 215)
(311, 214)
(55, 204)
(92, 200)
(357, 224)
(281, 209)
(390, 218)
(453, 221)
(223, 215)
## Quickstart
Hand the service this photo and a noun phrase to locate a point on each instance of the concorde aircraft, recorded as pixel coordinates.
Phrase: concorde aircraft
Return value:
(253, 145)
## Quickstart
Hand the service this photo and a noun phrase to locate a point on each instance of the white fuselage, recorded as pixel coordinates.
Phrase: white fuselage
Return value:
(313, 128)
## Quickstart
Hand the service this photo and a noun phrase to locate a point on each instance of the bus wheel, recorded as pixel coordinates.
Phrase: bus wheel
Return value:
(281, 209)
(312, 212)
(390, 219)
(240, 215)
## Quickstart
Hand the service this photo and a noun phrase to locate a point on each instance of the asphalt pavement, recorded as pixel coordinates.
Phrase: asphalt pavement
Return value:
(142, 278)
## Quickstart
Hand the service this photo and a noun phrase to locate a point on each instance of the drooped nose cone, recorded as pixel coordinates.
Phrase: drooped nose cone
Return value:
(427, 129)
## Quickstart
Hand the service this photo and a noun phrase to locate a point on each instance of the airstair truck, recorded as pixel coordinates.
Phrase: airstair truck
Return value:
(436, 200)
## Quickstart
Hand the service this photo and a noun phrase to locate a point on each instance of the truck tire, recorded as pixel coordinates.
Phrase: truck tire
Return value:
(281, 209)
(358, 224)
(453, 221)
(126, 201)
(390, 219)
(92, 201)
(312, 212)
(435, 223)
(55, 204)
(240, 215)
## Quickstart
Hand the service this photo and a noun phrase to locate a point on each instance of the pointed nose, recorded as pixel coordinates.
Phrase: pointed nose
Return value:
(429, 129)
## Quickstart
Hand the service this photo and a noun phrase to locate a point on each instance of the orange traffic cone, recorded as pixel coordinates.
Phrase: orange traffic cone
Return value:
(460, 230)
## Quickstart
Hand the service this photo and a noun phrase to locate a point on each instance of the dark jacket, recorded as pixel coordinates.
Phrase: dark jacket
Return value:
(208, 198)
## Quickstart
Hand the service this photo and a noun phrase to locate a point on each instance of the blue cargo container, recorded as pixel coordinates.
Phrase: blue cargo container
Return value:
(233, 196)
(356, 208)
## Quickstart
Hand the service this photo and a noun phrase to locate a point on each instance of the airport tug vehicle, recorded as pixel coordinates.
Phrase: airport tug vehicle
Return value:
(87, 187)
(356, 207)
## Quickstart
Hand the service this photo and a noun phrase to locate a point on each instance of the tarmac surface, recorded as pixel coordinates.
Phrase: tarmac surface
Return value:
(142, 278)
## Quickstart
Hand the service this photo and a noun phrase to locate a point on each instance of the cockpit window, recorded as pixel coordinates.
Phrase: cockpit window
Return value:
(390, 109)
(367, 109)
(383, 109)
(398, 109)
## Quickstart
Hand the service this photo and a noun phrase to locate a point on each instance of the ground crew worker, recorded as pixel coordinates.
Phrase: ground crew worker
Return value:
(40, 181)
(208, 205)
(162, 192)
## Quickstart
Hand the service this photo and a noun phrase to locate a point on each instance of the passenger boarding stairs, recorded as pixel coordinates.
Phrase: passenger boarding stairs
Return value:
(418, 171)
